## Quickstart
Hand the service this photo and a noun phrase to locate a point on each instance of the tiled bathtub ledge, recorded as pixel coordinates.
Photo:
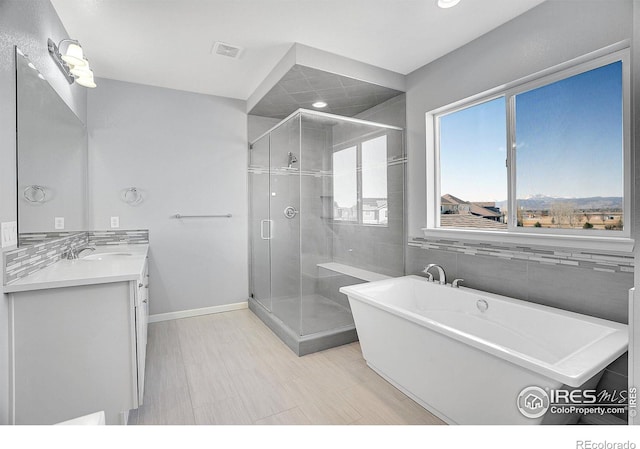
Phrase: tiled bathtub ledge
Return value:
(587, 259)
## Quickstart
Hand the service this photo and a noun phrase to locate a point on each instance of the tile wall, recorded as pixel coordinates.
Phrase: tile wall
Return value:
(39, 250)
(29, 259)
(591, 283)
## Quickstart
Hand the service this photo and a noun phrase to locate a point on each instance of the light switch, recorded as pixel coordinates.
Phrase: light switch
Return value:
(58, 222)
(9, 234)
(115, 222)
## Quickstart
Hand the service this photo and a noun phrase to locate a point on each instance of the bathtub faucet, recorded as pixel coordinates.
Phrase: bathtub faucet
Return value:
(442, 280)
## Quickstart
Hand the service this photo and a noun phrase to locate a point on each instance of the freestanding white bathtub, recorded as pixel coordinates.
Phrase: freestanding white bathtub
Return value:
(468, 366)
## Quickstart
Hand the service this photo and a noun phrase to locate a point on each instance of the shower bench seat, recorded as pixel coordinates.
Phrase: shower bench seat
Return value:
(358, 273)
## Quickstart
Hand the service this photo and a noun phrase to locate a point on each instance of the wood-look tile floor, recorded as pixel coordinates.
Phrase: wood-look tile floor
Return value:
(229, 368)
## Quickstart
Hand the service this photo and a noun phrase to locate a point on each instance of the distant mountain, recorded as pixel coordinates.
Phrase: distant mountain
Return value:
(541, 202)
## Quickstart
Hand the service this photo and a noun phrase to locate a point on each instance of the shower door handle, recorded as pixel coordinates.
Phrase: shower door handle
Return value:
(262, 222)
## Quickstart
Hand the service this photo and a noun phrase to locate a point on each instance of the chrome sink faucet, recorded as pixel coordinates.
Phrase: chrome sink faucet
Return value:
(72, 254)
(442, 279)
(75, 254)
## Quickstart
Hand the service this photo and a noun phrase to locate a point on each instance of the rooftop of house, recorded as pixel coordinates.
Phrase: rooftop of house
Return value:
(374, 203)
(475, 208)
(450, 199)
(469, 221)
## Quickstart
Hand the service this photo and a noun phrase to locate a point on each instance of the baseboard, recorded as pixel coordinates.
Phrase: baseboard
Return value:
(197, 312)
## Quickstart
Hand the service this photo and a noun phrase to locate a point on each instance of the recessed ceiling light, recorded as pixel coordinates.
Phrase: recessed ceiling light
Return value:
(447, 3)
(319, 104)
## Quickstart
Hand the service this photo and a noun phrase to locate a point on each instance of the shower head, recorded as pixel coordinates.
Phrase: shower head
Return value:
(292, 159)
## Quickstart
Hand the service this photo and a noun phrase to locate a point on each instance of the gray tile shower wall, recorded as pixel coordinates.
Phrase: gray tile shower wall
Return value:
(123, 237)
(330, 282)
(372, 247)
(29, 259)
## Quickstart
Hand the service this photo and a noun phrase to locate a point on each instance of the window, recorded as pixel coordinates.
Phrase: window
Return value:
(360, 183)
(473, 176)
(374, 181)
(546, 156)
(345, 185)
(569, 152)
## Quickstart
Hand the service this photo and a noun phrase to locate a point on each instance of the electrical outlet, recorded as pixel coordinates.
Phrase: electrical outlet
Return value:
(115, 222)
(58, 222)
(9, 234)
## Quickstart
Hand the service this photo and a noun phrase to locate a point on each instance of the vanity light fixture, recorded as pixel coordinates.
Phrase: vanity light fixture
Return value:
(447, 3)
(319, 104)
(73, 64)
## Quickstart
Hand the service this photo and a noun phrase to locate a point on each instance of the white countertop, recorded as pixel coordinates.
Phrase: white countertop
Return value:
(70, 273)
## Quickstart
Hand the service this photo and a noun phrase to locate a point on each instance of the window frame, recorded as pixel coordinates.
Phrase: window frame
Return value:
(573, 238)
(355, 145)
(357, 142)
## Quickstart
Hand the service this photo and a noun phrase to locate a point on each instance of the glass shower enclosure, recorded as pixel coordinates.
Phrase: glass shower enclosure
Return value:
(326, 209)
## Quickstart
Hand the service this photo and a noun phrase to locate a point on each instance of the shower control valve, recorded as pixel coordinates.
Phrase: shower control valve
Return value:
(290, 212)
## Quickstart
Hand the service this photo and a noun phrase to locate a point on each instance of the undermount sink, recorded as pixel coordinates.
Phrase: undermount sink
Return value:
(103, 256)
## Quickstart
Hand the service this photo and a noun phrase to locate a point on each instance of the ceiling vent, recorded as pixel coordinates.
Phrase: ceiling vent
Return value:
(232, 51)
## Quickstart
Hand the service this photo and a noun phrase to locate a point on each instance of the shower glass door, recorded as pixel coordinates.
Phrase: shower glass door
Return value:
(260, 225)
(327, 194)
(284, 206)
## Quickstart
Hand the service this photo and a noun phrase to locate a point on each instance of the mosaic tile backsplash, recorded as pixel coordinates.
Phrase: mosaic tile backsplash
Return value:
(40, 237)
(40, 250)
(585, 259)
(29, 259)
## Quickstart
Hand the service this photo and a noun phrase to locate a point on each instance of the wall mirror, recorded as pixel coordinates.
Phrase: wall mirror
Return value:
(51, 158)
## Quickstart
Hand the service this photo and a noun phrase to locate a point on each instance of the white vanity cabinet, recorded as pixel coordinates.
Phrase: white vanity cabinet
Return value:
(79, 349)
(142, 321)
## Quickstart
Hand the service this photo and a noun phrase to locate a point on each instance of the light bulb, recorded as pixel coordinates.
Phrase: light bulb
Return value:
(86, 79)
(79, 71)
(74, 56)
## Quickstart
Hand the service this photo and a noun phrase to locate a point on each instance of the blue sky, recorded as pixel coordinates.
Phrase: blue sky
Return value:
(568, 137)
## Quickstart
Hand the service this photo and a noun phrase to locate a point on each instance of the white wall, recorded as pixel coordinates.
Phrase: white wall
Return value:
(26, 24)
(187, 153)
(552, 33)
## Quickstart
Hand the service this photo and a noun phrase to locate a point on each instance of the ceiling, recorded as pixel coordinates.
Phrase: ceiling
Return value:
(168, 43)
(301, 86)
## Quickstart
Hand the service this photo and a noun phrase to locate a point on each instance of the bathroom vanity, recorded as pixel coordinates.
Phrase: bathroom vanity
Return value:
(78, 333)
